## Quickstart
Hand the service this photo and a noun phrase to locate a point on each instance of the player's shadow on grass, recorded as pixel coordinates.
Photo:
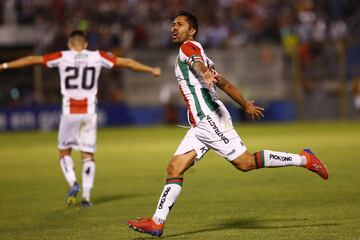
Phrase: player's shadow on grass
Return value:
(73, 211)
(275, 223)
(113, 198)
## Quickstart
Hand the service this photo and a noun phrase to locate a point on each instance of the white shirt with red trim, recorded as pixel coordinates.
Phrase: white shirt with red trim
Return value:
(79, 75)
(199, 98)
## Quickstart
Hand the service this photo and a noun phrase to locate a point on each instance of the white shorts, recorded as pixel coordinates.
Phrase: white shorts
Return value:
(78, 132)
(215, 131)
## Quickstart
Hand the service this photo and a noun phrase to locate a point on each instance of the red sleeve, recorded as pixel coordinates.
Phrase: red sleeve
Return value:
(190, 49)
(51, 56)
(109, 57)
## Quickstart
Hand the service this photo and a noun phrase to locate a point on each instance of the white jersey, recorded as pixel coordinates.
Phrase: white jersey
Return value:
(212, 124)
(79, 74)
(199, 98)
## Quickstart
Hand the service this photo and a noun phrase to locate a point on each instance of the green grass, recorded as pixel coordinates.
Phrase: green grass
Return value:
(217, 202)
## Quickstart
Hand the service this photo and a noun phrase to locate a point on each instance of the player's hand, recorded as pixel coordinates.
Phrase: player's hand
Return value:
(3, 66)
(210, 78)
(255, 112)
(156, 71)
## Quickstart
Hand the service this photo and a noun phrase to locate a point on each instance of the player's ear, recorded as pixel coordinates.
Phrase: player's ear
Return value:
(86, 45)
(192, 32)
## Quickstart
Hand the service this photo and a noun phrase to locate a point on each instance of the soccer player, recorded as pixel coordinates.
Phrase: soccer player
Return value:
(79, 71)
(212, 127)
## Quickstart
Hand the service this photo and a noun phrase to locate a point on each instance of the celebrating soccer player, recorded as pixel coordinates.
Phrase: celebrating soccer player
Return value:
(79, 71)
(211, 123)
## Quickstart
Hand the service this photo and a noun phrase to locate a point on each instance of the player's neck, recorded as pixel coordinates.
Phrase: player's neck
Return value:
(77, 49)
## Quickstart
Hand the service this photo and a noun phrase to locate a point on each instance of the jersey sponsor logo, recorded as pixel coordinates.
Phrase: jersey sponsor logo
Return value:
(163, 197)
(280, 158)
(217, 130)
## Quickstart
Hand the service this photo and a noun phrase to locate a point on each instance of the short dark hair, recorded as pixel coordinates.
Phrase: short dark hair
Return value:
(77, 33)
(193, 22)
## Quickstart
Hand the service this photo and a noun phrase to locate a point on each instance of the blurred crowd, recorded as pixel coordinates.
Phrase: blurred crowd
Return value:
(126, 24)
(299, 26)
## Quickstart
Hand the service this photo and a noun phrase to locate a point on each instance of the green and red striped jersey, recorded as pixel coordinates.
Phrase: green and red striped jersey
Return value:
(200, 100)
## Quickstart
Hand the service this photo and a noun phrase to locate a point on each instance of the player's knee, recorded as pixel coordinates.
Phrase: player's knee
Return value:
(245, 163)
(87, 156)
(243, 166)
(64, 153)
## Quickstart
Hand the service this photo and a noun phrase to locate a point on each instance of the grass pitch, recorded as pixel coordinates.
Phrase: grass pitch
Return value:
(217, 201)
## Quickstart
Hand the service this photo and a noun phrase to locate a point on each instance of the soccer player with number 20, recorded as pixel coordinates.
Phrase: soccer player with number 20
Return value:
(79, 71)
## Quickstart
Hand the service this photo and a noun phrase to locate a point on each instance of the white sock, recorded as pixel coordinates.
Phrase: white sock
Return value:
(269, 158)
(88, 175)
(167, 199)
(67, 167)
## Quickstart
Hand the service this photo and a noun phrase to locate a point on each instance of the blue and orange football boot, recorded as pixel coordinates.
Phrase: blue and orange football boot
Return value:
(70, 199)
(146, 225)
(314, 164)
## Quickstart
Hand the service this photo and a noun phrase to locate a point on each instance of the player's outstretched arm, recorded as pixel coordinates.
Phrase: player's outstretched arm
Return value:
(137, 66)
(22, 62)
(255, 112)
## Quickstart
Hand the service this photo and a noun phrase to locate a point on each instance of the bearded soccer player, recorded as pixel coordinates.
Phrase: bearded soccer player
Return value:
(79, 71)
(212, 127)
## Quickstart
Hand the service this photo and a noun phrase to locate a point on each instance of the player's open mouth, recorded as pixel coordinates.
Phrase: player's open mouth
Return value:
(174, 35)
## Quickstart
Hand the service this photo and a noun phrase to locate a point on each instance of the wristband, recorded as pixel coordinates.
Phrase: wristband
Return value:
(4, 66)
